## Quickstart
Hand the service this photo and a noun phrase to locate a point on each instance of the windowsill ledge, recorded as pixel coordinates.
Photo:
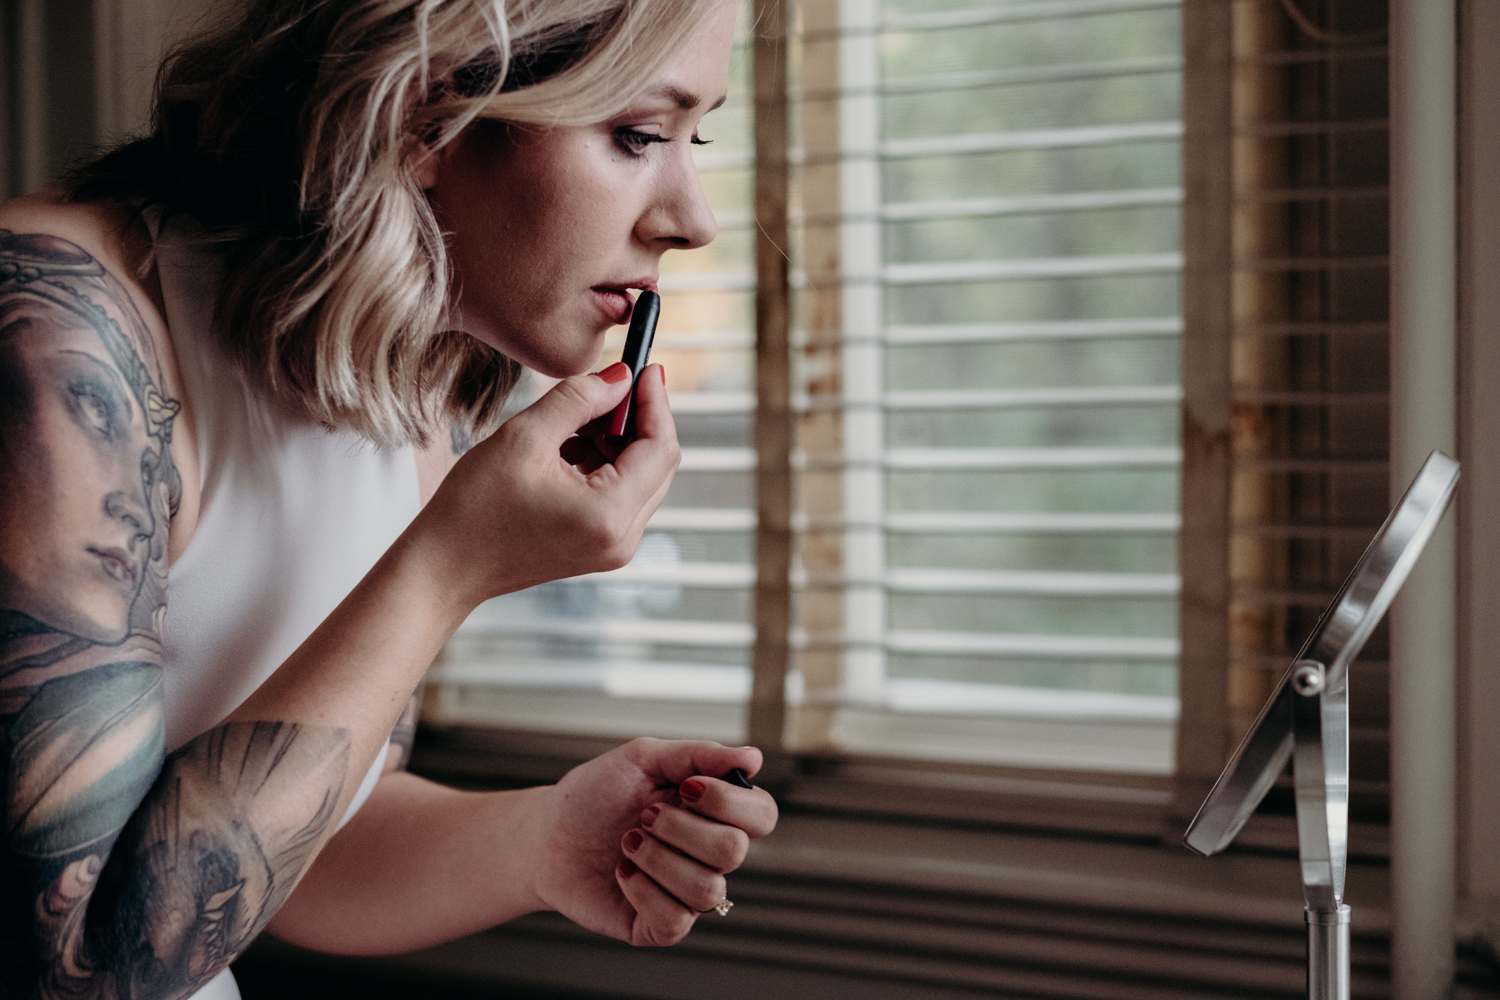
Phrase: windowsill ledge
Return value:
(894, 910)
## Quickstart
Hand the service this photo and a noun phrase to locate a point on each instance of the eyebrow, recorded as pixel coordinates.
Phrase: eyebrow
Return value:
(686, 100)
(116, 383)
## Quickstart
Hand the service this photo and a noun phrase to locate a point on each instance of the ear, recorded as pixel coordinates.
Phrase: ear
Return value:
(425, 161)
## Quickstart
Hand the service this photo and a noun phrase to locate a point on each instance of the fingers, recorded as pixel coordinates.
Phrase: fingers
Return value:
(594, 447)
(574, 402)
(676, 860)
(588, 452)
(718, 847)
(655, 450)
(660, 919)
(673, 762)
(578, 451)
(653, 413)
(750, 809)
(694, 885)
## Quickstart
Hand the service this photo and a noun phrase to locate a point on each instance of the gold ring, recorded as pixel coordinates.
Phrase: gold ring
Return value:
(722, 907)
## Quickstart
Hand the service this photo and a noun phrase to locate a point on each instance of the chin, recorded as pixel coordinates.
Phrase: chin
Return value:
(578, 362)
(101, 618)
(517, 344)
(566, 369)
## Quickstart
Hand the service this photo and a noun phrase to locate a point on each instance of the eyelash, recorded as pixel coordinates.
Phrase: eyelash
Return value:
(96, 410)
(635, 143)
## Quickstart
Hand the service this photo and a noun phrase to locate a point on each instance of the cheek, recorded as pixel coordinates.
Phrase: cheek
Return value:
(74, 475)
(80, 465)
(575, 204)
(46, 537)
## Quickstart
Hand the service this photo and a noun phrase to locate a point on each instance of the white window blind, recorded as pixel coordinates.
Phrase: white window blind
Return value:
(662, 646)
(996, 508)
(985, 271)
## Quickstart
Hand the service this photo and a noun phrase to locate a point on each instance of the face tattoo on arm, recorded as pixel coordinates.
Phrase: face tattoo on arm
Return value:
(123, 872)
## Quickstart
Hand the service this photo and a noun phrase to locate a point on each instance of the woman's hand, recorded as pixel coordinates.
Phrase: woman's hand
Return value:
(635, 843)
(522, 509)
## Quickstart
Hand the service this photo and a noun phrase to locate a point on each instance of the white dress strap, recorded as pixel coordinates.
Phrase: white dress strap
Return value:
(220, 987)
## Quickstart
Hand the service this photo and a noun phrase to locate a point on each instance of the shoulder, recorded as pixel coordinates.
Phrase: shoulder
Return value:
(104, 230)
(102, 253)
(92, 264)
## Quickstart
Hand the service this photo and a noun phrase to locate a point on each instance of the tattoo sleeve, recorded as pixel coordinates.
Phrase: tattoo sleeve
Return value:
(404, 735)
(124, 872)
(458, 439)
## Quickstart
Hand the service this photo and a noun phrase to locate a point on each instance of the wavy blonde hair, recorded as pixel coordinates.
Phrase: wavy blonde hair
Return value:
(288, 131)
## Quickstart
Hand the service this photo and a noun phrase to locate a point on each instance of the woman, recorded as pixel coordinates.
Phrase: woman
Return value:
(239, 362)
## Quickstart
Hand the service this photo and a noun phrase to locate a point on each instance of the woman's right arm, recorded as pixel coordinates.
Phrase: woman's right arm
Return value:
(128, 873)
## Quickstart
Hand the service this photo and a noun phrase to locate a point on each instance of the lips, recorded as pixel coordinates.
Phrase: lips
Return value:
(615, 304)
(615, 301)
(116, 564)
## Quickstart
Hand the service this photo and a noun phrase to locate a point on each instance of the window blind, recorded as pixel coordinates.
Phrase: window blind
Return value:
(662, 646)
(1310, 356)
(984, 271)
(988, 373)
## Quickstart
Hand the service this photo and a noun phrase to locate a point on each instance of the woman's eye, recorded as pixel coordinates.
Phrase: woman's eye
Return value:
(635, 142)
(700, 142)
(95, 410)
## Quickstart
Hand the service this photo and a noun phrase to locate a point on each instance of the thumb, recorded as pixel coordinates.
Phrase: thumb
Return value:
(676, 761)
(573, 402)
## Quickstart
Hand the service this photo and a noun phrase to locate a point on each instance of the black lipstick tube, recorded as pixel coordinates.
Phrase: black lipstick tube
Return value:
(637, 353)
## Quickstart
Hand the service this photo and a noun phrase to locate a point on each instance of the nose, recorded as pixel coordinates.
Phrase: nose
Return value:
(128, 510)
(679, 217)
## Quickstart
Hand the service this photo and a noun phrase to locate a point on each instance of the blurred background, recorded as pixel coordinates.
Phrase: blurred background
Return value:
(987, 715)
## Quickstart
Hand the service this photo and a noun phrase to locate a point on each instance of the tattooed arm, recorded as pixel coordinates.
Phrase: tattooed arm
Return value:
(126, 873)
(405, 733)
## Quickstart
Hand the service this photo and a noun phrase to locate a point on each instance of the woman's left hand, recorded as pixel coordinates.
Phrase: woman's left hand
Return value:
(636, 843)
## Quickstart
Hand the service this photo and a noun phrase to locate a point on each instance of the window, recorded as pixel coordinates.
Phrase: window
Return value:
(985, 271)
(996, 505)
(663, 645)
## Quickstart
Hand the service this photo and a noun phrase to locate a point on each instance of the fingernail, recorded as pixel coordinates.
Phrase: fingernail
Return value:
(633, 841)
(649, 816)
(691, 790)
(617, 372)
(621, 415)
(663, 376)
(626, 868)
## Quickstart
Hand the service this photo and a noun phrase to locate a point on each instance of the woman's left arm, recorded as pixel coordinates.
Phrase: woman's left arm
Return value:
(631, 844)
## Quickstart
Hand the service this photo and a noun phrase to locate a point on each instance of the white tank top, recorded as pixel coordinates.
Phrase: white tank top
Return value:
(292, 517)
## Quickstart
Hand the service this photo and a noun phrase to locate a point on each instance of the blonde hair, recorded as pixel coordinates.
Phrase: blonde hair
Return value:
(288, 132)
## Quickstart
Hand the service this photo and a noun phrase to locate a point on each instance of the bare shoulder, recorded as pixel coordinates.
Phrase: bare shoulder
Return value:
(94, 262)
(86, 427)
(102, 237)
(102, 229)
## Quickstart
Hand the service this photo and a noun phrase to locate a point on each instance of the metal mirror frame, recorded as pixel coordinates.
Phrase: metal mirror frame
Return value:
(1306, 720)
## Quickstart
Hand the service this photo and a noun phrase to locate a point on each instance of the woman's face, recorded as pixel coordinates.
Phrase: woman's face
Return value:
(77, 523)
(548, 229)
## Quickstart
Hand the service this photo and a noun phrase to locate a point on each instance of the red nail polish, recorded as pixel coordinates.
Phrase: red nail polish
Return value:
(691, 790)
(617, 372)
(649, 816)
(663, 376)
(621, 417)
(633, 841)
(627, 868)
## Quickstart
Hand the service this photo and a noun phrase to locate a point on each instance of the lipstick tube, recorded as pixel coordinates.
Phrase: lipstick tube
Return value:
(637, 353)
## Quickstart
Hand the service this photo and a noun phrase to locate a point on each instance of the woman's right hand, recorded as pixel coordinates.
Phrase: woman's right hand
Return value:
(515, 512)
